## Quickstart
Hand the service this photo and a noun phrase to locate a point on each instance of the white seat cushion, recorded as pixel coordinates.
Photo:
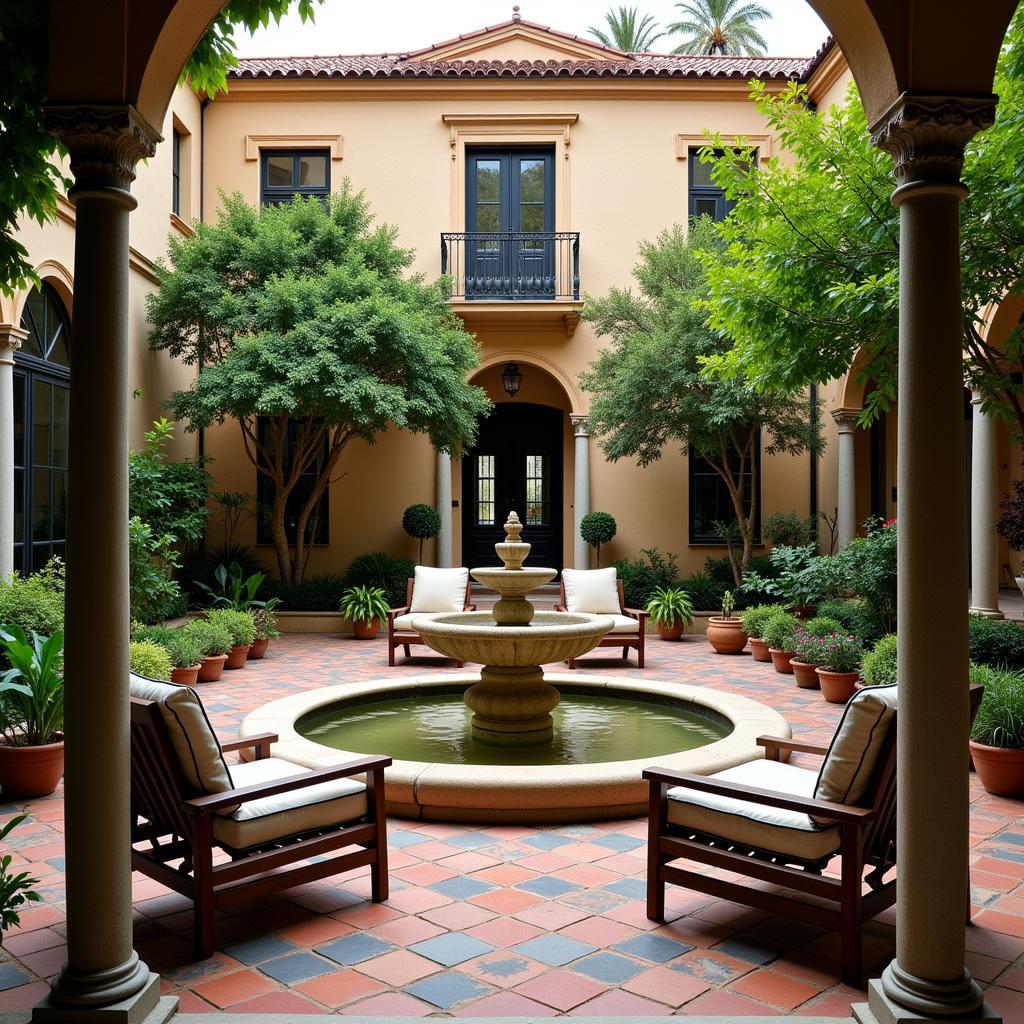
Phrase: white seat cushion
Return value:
(853, 753)
(275, 817)
(624, 624)
(591, 590)
(768, 828)
(404, 622)
(439, 590)
(191, 734)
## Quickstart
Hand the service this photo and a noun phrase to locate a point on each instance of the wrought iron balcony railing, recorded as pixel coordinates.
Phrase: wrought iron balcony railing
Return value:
(512, 264)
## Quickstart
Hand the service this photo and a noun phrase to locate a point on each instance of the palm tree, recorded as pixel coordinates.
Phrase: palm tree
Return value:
(721, 26)
(628, 31)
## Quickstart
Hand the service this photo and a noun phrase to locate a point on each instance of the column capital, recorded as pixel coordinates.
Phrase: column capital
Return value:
(11, 338)
(104, 143)
(580, 424)
(926, 135)
(846, 419)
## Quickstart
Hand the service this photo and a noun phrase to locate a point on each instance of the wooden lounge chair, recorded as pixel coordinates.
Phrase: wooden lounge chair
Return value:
(442, 591)
(271, 817)
(779, 823)
(599, 591)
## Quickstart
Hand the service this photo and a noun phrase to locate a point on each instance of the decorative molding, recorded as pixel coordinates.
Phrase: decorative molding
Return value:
(827, 73)
(926, 135)
(580, 425)
(142, 265)
(104, 143)
(11, 338)
(254, 143)
(181, 226)
(505, 124)
(686, 142)
(846, 419)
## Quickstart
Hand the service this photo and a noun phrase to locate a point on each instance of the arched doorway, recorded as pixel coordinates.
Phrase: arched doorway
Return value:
(42, 383)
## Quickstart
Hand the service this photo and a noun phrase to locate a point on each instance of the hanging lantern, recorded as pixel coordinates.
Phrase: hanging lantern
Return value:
(512, 379)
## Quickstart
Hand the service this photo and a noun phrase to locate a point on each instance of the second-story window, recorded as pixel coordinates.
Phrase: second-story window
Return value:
(176, 172)
(706, 198)
(288, 173)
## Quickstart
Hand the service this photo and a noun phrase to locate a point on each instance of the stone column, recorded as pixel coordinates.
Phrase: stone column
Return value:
(11, 338)
(928, 980)
(984, 512)
(444, 509)
(846, 424)
(103, 978)
(581, 489)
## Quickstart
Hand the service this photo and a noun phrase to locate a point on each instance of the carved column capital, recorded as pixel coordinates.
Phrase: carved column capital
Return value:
(926, 135)
(846, 419)
(11, 338)
(580, 425)
(104, 143)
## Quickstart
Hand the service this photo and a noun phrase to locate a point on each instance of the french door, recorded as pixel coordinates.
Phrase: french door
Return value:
(510, 220)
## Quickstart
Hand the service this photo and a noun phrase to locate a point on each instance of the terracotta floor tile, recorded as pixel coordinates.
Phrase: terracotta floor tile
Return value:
(617, 1003)
(289, 1003)
(776, 989)
(389, 1004)
(235, 988)
(398, 968)
(505, 1004)
(504, 931)
(664, 985)
(340, 988)
(562, 989)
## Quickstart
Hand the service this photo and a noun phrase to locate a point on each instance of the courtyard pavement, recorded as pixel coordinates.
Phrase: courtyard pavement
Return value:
(510, 920)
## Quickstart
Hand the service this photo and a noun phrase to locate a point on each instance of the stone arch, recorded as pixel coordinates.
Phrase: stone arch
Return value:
(573, 396)
(59, 278)
(1002, 317)
(852, 385)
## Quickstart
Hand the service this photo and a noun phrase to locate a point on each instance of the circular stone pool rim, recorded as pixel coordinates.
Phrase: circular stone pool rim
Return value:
(521, 794)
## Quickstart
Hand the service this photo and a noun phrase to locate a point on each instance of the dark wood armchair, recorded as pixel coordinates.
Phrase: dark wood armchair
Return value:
(628, 632)
(400, 631)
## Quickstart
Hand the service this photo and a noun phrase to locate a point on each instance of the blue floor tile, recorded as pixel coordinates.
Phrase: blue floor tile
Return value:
(545, 840)
(608, 967)
(354, 949)
(254, 951)
(462, 888)
(12, 977)
(553, 950)
(451, 949)
(448, 989)
(399, 839)
(549, 886)
(618, 841)
(470, 840)
(298, 967)
(634, 888)
(657, 948)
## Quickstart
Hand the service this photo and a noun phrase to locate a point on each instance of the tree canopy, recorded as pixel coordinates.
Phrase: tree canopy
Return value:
(301, 314)
(626, 29)
(650, 390)
(727, 27)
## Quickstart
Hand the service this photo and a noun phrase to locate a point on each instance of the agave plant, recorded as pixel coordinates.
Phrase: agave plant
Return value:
(32, 689)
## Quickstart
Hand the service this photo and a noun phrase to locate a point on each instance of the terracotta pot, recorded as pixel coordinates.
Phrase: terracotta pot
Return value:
(364, 630)
(759, 649)
(1001, 769)
(211, 669)
(27, 772)
(782, 660)
(185, 676)
(237, 657)
(673, 632)
(805, 674)
(259, 648)
(726, 635)
(837, 687)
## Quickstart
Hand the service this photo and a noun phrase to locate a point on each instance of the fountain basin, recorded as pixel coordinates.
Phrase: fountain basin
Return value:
(523, 793)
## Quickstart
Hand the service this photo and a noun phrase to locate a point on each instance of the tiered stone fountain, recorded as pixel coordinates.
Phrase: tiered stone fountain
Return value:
(512, 703)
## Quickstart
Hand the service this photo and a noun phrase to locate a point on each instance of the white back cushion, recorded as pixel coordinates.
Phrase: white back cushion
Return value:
(591, 590)
(439, 590)
(853, 754)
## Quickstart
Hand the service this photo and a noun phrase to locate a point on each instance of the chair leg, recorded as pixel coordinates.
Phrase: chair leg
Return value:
(391, 653)
(656, 814)
(851, 908)
(970, 909)
(202, 873)
(640, 643)
(572, 663)
(625, 652)
(460, 664)
(379, 890)
(408, 653)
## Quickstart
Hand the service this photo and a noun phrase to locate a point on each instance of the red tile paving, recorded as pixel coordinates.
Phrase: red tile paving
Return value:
(730, 960)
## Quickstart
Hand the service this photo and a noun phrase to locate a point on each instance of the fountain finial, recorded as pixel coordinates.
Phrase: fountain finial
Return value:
(512, 551)
(513, 528)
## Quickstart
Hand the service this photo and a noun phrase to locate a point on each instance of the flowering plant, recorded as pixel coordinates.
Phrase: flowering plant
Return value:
(810, 649)
(840, 653)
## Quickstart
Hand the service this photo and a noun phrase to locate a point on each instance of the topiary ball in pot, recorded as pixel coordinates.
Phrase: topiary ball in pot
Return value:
(422, 522)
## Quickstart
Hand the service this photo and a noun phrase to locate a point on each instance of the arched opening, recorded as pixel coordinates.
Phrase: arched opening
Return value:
(42, 388)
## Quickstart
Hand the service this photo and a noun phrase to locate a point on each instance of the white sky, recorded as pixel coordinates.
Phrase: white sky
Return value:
(359, 26)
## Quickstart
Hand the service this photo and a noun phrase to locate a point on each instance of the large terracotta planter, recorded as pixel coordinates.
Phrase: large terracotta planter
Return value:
(726, 635)
(1001, 769)
(185, 676)
(366, 630)
(211, 668)
(27, 772)
(259, 648)
(238, 656)
(759, 649)
(837, 687)
(673, 632)
(782, 660)
(805, 674)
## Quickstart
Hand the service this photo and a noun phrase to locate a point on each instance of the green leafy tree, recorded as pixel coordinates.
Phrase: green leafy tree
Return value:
(649, 389)
(302, 314)
(728, 27)
(626, 29)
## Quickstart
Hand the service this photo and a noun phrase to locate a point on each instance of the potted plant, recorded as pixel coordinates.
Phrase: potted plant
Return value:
(780, 635)
(265, 622)
(149, 659)
(671, 610)
(878, 666)
(808, 652)
(754, 621)
(997, 736)
(15, 890)
(364, 607)
(214, 642)
(31, 713)
(597, 528)
(725, 633)
(242, 630)
(185, 657)
(839, 670)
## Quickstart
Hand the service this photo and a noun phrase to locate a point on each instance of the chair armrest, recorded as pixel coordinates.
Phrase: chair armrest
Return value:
(767, 797)
(393, 613)
(469, 608)
(778, 744)
(261, 741)
(560, 608)
(218, 801)
(637, 613)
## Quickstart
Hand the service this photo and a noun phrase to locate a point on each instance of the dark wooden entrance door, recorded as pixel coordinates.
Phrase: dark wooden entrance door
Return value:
(515, 465)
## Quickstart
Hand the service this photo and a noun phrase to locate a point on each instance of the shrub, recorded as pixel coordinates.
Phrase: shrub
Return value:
(789, 529)
(1010, 524)
(868, 567)
(822, 625)
(755, 619)
(850, 614)
(153, 593)
(180, 644)
(198, 568)
(265, 622)
(598, 528)
(35, 603)
(378, 569)
(211, 637)
(801, 579)
(1000, 718)
(641, 577)
(879, 665)
(233, 588)
(670, 605)
(319, 593)
(779, 632)
(149, 659)
(720, 569)
(808, 647)
(996, 642)
(840, 652)
(422, 522)
(239, 625)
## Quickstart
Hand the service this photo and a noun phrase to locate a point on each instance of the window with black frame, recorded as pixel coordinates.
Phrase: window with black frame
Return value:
(317, 525)
(288, 173)
(706, 199)
(710, 501)
(176, 172)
